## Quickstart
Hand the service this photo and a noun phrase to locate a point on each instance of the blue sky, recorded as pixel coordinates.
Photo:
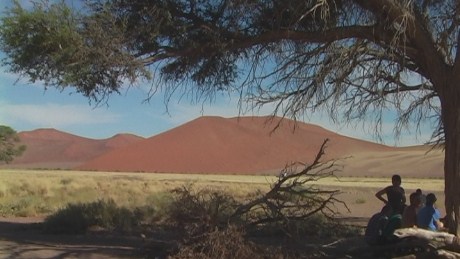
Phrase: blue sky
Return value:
(26, 106)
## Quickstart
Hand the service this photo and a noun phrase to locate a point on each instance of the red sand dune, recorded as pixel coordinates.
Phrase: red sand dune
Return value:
(50, 148)
(235, 145)
(245, 145)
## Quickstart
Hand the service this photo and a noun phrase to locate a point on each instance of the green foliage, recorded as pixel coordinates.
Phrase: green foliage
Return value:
(53, 44)
(41, 38)
(78, 218)
(9, 144)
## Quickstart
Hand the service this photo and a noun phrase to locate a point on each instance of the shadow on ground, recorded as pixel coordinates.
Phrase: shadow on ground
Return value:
(26, 240)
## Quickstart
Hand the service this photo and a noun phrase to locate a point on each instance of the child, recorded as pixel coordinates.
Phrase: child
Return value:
(376, 225)
(409, 217)
(429, 217)
(396, 197)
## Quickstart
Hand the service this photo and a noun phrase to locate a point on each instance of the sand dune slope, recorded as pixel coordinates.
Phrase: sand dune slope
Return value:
(50, 148)
(406, 162)
(235, 145)
(244, 145)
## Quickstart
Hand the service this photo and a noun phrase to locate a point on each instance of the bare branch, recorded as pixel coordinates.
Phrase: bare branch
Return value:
(292, 197)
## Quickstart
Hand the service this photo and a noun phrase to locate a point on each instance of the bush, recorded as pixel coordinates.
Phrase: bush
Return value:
(226, 243)
(199, 211)
(159, 202)
(78, 218)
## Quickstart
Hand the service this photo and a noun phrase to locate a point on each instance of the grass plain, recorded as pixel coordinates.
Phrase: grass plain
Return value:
(30, 193)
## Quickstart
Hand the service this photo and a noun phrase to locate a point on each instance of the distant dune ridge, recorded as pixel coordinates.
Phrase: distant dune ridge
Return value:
(242, 145)
(218, 145)
(52, 149)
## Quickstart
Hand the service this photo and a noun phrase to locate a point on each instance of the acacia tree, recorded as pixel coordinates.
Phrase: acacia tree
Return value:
(9, 144)
(355, 59)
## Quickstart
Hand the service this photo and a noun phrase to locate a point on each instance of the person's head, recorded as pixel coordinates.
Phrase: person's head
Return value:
(414, 199)
(418, 191)
(430, 199)
(396, 180)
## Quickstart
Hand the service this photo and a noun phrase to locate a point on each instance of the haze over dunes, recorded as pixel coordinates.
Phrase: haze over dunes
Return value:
(244, 145)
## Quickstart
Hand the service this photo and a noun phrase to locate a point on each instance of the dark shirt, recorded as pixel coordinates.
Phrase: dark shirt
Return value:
(395, 197)
(422, 200)
(374, 229)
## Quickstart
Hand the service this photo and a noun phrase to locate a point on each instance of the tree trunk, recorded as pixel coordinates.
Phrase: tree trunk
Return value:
(450, 102)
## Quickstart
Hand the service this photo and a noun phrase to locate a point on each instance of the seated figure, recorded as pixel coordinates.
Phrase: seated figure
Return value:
(376, 226)
(429, 217)
(409, 217)
(394, 223)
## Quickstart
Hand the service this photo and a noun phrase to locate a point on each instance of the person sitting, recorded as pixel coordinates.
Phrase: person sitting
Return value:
(394, 222)
(396, 197)
(376, 225)
(422, 197)
(409, 216)
(429, 217)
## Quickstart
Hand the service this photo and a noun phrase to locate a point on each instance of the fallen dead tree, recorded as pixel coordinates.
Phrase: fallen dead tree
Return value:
(294, 196)
(291, 200)
(446, 245)
(444, 237)
(413, 243)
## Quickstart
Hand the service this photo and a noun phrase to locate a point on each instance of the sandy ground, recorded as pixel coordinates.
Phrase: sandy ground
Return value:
(22, 238)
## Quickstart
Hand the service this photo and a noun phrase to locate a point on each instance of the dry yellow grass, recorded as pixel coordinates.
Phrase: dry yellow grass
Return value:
(36, 192)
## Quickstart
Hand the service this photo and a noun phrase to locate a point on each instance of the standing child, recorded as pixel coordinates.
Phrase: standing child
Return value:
(396, 196)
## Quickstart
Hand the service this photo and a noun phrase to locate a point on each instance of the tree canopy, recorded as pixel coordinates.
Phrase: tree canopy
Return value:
(9, 144)
(355, 59)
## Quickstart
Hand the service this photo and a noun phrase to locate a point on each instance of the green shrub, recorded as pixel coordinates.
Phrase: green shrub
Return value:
(77, 218)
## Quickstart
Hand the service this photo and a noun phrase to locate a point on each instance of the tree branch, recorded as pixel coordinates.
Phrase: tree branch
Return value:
(291, 198)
